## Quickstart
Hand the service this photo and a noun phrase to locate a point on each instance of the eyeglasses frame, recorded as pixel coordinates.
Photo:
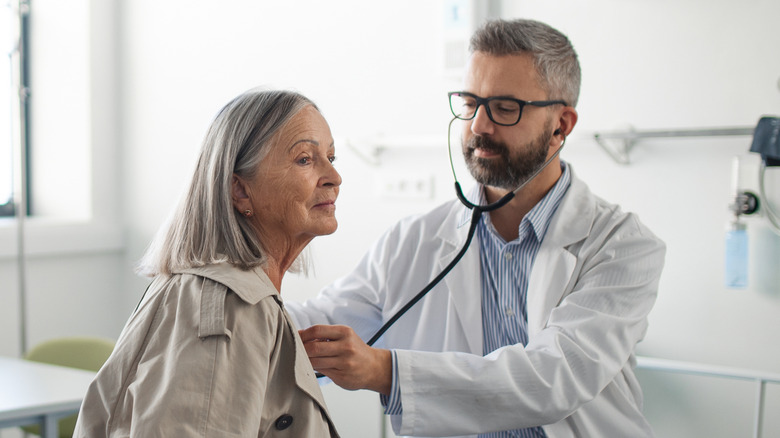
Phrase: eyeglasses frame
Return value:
(485, 102)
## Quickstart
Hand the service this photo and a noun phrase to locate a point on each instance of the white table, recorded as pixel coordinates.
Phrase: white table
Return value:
(32, 392)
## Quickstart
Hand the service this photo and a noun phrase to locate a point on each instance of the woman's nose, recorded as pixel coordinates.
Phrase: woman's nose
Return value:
(331, 176)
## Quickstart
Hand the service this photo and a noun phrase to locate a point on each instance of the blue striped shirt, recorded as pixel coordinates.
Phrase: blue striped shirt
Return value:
(505, 268)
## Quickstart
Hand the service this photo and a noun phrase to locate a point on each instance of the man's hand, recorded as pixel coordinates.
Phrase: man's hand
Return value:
(338, 352)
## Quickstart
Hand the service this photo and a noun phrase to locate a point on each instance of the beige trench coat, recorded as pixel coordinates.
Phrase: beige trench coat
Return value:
(210, 352)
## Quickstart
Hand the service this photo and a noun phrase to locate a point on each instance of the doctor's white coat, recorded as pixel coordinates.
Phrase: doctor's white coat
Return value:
(592, 285)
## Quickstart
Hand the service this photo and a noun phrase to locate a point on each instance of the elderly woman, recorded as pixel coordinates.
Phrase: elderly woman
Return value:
(210, 351)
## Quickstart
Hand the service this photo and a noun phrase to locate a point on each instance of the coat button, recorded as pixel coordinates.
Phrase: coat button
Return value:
(284, 422)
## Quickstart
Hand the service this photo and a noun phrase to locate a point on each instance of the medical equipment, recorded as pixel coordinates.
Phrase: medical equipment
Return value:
(736, 262)
(766, 142)
(736, 244)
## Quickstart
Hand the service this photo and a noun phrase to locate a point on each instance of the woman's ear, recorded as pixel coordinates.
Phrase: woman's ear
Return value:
(239, 192)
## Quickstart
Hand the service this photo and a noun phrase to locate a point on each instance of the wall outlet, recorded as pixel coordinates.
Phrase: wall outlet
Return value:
(404, 186)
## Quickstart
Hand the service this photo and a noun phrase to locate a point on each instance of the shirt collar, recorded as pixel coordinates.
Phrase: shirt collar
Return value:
(540, 215)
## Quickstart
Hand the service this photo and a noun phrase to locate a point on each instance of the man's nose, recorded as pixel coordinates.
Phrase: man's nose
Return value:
(481, 123)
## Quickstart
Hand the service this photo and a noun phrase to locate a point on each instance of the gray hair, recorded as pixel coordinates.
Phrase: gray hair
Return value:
(205, 228)
(554, 57)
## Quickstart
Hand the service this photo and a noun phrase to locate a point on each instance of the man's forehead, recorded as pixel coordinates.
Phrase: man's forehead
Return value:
(503, 75)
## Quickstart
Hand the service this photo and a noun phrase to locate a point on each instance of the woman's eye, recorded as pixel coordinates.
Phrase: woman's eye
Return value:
(332, 158)
(304, 160)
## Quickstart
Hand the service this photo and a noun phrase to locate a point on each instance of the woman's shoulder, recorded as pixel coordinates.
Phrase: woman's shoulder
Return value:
(249, 285)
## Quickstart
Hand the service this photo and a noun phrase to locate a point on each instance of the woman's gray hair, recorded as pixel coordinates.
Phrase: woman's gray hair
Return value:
(205, 228)
(554, 57)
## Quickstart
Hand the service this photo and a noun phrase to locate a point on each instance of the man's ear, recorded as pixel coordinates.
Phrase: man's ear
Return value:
(239, 192)
(567, 120)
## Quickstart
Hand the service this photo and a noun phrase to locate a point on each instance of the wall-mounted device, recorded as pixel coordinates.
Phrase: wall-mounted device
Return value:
(766, 142)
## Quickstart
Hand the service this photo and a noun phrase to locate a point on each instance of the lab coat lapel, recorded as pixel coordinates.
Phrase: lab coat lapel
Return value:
(551, 275)
(463, 282)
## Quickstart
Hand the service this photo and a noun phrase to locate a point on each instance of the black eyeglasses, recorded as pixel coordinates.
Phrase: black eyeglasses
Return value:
(504, 111)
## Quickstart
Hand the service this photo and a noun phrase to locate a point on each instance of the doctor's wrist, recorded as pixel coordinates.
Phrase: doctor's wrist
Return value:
(382, 380)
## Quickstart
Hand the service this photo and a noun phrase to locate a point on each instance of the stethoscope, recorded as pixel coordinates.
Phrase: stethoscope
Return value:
(476, 214)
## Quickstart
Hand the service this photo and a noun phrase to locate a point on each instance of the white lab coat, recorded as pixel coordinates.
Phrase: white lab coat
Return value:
(592, 285)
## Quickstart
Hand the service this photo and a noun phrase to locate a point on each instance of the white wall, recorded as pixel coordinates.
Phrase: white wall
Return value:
(375, 69)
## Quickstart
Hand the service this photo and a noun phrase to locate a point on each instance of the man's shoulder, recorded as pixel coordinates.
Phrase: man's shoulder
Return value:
(583, 208)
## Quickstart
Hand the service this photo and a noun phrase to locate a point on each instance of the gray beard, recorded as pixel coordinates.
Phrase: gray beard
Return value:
(507, 172)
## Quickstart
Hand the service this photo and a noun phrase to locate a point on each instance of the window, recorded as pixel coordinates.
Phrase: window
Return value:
(7, 40)
(52, 62)
(72, 144)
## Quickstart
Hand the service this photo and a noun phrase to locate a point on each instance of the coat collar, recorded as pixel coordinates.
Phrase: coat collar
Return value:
(243, 283)
(252, 286)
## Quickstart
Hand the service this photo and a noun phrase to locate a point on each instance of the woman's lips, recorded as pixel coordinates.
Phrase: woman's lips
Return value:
(327, 205)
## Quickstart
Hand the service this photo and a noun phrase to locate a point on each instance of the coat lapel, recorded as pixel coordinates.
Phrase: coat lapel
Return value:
(304, 374)
(554, 265)
(463, 282)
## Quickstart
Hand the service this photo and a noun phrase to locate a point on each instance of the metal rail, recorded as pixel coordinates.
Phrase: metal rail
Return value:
(759, 377)
(626, 140)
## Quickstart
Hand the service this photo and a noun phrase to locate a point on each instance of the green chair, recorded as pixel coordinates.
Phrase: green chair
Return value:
(85, 353)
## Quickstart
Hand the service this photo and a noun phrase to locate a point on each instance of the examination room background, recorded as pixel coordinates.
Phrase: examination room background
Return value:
(132, 87)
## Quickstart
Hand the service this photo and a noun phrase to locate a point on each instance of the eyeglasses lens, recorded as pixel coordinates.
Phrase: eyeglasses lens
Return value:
(501, 111)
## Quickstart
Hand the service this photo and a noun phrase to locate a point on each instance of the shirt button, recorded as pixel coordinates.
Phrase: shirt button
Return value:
(284, 422)
(509, 312)
(508, 255)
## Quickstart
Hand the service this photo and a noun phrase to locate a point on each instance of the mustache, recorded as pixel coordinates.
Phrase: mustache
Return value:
(481, 142)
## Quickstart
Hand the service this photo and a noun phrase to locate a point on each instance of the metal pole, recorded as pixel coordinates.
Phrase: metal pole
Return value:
(20, 69)
(759, 423)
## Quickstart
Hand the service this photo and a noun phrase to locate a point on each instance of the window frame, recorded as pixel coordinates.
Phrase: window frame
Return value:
(99, 229)
(22, 15)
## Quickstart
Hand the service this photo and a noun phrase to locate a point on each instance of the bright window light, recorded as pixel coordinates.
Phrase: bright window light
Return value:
(6, 149)
(60, 158)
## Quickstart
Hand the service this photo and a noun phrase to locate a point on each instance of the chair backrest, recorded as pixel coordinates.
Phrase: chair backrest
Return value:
(85, 353)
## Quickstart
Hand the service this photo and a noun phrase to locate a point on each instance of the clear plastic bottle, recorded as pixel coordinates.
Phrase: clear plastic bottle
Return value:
(736, 260)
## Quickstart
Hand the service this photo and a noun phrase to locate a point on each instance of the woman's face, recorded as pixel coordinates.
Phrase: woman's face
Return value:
(293, 197)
